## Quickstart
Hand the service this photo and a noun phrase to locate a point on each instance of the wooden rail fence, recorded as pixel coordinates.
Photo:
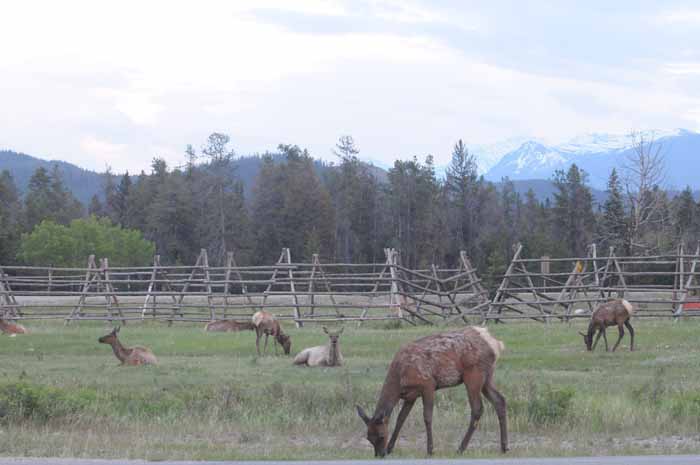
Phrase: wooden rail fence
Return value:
(302, 292)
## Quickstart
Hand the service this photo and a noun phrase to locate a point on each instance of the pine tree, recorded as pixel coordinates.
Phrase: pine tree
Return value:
(573, 210)
(613, 224)
(10, 219)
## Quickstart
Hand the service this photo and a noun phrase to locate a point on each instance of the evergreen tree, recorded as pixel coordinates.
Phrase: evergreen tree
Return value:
(461, 186)
(573, 211)
(685, 217)
(10, 219)
(47, 198)
(613, 224)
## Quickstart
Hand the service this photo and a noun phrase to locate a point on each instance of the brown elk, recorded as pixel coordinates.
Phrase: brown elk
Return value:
(13, 329)
(327, 356)
(613, 313)
(467, 356)
(136, 355)
(266, 324)
(226, 326)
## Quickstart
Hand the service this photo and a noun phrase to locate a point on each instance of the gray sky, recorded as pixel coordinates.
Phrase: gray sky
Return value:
(117, 83)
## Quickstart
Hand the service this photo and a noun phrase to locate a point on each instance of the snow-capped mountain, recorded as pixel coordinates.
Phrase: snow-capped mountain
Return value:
(487, 155)
(598, 154)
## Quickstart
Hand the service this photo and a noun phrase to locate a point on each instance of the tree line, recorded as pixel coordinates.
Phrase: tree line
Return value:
(346, 213)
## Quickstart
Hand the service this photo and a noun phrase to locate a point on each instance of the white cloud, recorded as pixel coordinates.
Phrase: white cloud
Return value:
(681, 16)
(121, 83)
(683, 68)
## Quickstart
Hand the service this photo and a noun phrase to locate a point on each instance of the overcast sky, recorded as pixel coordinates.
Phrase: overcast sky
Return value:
(117, 83)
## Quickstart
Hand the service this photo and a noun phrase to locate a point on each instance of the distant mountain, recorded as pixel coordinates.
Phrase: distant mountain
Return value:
(83, 183)
(598, 154)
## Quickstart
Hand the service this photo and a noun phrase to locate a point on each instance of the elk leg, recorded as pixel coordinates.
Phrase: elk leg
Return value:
(265, 348)
(257, 340)
(597, 338)
(403, 414)
(428, 399)
(605, 338)
(499, 403)
(629, 326)
(621, 331)
(474, 382)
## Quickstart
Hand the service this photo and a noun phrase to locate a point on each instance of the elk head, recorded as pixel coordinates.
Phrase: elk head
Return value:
(377, 431)
(334, 337)
(286, 342)
(109, 338)
(587, 339)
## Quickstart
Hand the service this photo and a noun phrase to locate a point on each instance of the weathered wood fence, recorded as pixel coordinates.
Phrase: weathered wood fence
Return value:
(562, 288)
(303, 292)
(542, 289)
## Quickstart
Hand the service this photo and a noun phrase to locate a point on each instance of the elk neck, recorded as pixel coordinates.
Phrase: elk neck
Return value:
(391, 392)
(119, 350)
(333, 354)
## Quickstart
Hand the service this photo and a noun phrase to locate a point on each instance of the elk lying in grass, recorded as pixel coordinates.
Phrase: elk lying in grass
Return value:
(613, 313)
(128, 355)
(266, 324)
(467, 356)
(326, 356)
(12, 329)
(226, 326)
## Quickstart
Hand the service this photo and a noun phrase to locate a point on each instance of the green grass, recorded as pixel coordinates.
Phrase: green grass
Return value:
(63, 394)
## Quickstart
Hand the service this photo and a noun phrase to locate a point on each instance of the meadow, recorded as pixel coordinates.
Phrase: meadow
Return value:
(62, 394)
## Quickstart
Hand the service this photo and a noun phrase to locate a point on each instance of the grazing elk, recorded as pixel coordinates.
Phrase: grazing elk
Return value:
(326, 356)
(13, 329)
(467, 356)
(128, 355)
(226, 326)
(613, 313)
(266, 324)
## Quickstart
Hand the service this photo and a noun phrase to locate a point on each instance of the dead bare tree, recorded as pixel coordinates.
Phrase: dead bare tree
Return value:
(643, 176)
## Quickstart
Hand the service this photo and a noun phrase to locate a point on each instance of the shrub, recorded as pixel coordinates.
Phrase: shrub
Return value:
(550, 405)
(54, 244)
(22, 400)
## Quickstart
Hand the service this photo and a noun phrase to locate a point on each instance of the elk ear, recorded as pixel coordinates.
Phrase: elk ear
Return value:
(584, 335)
(362, 414)
(341, 331)
(325, 330)
(379, 418)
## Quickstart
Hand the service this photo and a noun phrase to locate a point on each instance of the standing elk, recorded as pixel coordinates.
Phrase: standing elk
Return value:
(226, 326)
(613, 313)
(13, 329)
(327, 356)
(467, 356)
(266, 324)
(136, 355)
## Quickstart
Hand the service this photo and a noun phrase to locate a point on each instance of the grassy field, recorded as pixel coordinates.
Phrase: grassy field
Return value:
(63, 394)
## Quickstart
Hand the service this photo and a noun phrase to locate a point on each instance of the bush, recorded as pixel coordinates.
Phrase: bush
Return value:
(24, 401)
(54, 244)
(550, 405)
(686, 405)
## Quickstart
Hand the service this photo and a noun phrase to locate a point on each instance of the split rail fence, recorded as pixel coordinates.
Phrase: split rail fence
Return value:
(541, 289)
(563, 288)
(303, 292)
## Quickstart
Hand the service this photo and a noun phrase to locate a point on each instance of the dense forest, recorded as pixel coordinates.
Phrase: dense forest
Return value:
(345, 213)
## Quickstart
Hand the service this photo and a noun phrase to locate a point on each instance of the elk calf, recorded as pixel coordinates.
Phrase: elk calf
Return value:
(467, 356)
(326, 356)
(128, 356)
(226, 326)
(266, 324)
(12, 329)
(613, 313)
